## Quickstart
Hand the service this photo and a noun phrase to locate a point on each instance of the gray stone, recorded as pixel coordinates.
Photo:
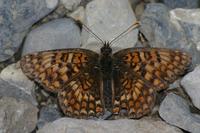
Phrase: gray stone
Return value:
(175, 111)
(107, 19)
(17, 116)
(139, 9)
(70, 4)
(189, 20)
(56, 34)
(191, 84)
(14, 76)
(78, 14)
(16, 17)
(48, 114)
(163, 31)
(181, 3)
(10, 90)
(145, 125)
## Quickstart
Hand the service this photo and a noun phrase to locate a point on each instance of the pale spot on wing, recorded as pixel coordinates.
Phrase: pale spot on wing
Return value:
(70, 56)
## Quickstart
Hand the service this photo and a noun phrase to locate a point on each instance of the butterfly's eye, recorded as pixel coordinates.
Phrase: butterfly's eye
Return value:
(106, 50)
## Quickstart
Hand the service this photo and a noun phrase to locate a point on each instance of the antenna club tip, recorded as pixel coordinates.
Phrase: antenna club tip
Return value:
(137, 23)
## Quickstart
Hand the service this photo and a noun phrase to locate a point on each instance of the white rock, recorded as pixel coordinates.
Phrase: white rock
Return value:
(175, 111)
(13, 83)
(9, 90)
(56, 34)
(78, 14)
(145, 125)
(107, 19)
(185, 15)
(189, 20)
(70, 4)
(191, 84)
(17, 116)
(51, 3)
(139, 9)
(14, 75)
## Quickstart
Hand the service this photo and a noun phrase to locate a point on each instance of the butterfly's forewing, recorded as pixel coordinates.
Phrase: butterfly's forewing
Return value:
(158, 66)
(155, 67)
(52, 69)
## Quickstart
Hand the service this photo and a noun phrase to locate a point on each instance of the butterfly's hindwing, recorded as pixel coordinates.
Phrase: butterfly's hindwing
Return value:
(82, 97)
(134, 97)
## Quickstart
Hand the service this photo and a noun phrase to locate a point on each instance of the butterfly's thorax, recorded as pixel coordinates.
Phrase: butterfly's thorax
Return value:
(106, 66)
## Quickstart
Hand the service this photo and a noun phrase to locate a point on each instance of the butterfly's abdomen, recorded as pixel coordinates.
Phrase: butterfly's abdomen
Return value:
(107, 94)
(106, 70)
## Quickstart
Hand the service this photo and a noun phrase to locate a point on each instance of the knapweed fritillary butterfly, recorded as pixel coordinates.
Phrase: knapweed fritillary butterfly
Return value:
(88, 83)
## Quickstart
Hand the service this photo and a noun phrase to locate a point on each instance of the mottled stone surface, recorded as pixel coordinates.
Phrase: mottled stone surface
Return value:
(189, 20)
(191, 84)
(14, 76)
(181, 3)
(16, 17)
(17, 116)
(70, 4)
(175, 111)
(48, 114)
(162, 30)
(78, 14)
(9, 90)
(56, 34)
(145, 125)
(107, 19)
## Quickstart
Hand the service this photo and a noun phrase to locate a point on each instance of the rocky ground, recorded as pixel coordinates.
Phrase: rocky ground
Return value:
(27, 26)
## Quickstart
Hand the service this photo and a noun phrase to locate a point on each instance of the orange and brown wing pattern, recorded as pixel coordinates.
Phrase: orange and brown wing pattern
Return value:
(142, 72)
(157, 66)
(52, 69)
(133, 97)
(82, 97)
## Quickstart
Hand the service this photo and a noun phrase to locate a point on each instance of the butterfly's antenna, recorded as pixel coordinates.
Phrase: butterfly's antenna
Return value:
(90, 31)
(130, 28)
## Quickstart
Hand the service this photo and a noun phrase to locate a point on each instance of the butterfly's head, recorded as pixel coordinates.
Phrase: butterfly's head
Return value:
(106, 49)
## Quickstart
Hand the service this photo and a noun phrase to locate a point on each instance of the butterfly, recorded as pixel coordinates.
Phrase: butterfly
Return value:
(88, 84)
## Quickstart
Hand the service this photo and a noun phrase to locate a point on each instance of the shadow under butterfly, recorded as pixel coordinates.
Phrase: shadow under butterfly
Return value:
(88, 84)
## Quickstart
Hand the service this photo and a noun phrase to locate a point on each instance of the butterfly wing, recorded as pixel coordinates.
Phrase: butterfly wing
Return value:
(158, 66)
(71, 73)
(147, 69)
(133, 97)
(82, 97)
(52, 69)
